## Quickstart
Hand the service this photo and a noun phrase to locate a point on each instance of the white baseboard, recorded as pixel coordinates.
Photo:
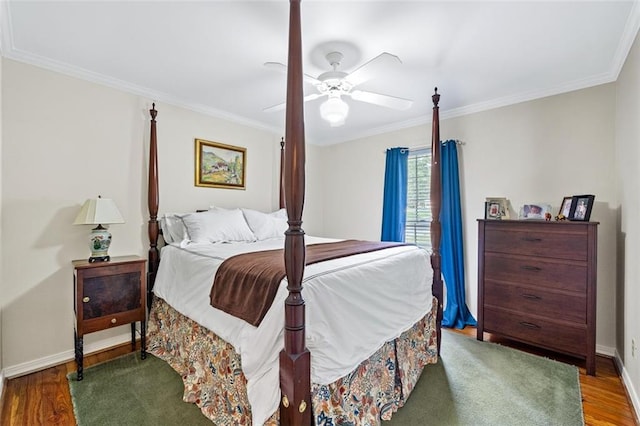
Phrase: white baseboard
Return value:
(606, 351)
(1, 385)
(628, 384)
(62, 357)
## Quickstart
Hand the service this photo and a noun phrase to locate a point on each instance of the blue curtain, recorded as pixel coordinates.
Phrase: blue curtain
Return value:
(394, 207)
(456, 314)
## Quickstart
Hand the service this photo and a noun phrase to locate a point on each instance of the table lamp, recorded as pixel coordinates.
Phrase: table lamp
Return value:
(99, 211)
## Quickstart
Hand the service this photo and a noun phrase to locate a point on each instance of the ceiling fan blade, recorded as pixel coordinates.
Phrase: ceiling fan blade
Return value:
(375, 67)
(283, 69)
(382, 100)
(274, 108)
(313, 96)
(282, 105)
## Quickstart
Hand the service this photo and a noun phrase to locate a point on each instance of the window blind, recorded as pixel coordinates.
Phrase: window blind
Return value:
(418, 224)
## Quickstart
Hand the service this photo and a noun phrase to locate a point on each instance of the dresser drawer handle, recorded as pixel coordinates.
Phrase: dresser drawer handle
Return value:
(531, 239)
(113, 320)
(531, 296)
(86, 299)
(531, 268)
(529, 324)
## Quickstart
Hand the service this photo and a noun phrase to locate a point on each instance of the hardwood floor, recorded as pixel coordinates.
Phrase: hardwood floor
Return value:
(43, 398)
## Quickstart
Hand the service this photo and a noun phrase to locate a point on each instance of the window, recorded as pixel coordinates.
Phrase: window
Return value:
(418, 224)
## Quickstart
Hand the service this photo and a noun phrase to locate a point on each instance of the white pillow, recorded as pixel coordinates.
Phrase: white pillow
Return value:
(266, 225)
(173, 229)
(216, 226)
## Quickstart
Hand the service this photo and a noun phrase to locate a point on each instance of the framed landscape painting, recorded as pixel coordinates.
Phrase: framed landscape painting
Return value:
(219, 165)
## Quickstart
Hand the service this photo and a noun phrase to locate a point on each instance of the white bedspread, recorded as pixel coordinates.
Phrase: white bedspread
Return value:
(353, 306)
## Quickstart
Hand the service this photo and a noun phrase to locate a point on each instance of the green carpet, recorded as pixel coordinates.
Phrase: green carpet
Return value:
(130, 391)
(474, 383)
(479, 383)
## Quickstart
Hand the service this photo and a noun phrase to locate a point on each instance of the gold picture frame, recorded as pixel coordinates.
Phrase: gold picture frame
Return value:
(565, 207)
(219, 165)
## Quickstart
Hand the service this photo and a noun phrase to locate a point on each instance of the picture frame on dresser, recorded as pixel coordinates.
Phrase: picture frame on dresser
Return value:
(534, 211)
(496, 208)
(565, 207)
(581, 206)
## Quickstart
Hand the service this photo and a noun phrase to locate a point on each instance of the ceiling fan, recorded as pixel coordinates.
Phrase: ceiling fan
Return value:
(334, 84)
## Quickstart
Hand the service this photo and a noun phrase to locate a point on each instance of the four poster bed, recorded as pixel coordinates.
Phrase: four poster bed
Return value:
(355, 337)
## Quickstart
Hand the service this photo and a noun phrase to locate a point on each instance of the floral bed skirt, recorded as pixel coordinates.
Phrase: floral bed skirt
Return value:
(212, 372)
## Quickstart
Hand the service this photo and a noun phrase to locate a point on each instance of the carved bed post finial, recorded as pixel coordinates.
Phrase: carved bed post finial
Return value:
(295, 359)
(153, 202)
(436, 203)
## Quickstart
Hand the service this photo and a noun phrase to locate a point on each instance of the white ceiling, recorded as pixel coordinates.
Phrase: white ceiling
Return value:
(208, 55)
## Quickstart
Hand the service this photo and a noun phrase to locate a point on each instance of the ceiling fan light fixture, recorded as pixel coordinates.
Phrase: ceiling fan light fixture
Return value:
(334, 110)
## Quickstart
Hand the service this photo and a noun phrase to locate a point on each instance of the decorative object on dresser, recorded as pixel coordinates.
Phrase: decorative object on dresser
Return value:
(219, 165)
(534, 211)
(537, 284)
(496, 208)
(581, 206)
(109, 294)
(99, 211)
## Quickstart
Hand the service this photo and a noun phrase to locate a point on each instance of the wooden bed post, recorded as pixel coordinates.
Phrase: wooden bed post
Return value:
(282, 173)
(436, 203)
(295, 366)
(153, 202)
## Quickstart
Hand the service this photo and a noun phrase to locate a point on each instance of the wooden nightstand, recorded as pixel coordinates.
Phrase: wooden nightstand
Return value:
(109, 294)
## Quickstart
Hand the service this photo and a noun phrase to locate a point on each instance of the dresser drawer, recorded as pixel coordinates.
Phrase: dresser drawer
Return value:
(550, 273)
(534, 330)
(520, 239)
(545, 303)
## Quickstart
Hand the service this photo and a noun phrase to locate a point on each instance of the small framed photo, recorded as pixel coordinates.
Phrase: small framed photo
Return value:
(581, 206)
(496, 208)
(565, 207)
(535, 211)
(219, 165)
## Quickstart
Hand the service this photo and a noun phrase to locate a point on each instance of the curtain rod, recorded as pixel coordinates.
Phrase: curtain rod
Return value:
(418, 147)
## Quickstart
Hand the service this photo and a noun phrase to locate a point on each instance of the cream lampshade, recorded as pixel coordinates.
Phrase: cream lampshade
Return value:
(99, 211)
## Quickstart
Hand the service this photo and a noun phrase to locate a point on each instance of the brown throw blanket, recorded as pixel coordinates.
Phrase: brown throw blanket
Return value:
(245, 285)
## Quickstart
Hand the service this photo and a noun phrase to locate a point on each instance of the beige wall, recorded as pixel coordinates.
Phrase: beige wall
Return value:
(627, 225)
(1, 278)
(539, 151)
(65, 140)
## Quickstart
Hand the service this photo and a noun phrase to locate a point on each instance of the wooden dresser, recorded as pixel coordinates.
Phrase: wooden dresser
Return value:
(537, 284)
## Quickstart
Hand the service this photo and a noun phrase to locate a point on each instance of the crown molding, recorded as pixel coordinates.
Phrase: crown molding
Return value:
(628, 37)
(482, 106)
(6, 35)
(8, 50)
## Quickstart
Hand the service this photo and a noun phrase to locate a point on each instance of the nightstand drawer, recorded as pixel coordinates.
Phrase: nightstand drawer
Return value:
(556, 274)
(115, 320)
(569, 307)
(537, 331)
